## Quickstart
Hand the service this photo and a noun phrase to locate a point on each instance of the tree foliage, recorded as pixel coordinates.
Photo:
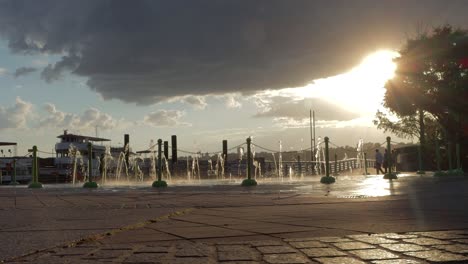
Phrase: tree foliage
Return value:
(408, 126)
(432, 76)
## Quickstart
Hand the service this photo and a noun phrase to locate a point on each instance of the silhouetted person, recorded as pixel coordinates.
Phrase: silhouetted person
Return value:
(378, 161)
(385, 161)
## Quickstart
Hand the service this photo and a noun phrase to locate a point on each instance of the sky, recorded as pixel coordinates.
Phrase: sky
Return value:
(203, 70)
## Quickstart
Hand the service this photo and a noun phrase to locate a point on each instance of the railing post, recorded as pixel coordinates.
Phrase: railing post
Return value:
(159, 160)
(249, 181)
(365, 164)
(159, 182)
(336, 171)
(90, 183)
(35, 170)
(327, 179)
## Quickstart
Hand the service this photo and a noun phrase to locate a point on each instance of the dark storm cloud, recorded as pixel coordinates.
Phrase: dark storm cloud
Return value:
(147, 51)
(24, 71)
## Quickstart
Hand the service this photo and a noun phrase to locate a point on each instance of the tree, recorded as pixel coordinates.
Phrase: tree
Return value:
(432, 76)
(430, 84)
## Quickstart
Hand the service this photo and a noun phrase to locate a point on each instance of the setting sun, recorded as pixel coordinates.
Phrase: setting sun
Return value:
(359, 90)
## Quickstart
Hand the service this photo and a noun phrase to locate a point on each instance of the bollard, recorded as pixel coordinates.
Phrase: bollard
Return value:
(13, 176)
(90, 183)
(249, 181)
(159, 183)
(327, 179)
(35, 171)
(389, 175)
(336, 171)
(365, 164)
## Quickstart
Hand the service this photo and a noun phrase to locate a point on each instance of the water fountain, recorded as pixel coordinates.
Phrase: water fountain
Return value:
(107, 160)
(319, 156)
(280, 161)
(76, 154)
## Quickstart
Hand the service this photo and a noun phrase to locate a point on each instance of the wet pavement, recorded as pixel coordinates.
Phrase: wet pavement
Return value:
(359, 219)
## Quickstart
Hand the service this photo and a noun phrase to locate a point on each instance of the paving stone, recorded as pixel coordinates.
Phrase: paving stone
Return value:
(437, 256)
(233, 247)
(285, 258)
(260, 243)
(443, 234)
(152, 249)
(322, 252)
(189, 252)
(307, 244)
(339, 260)
(397, 261)
(333, 239)
(371, 254)
(276, 249)
(241, 262)
(352, 245)
(145, 258)
(396, 236)
(404, 247)
(455, 248)
(300, 239)
(237, 255)
(73, 251)
(373, 239)
(106, 254)
(464, 241)
(426, 241)
(193, 260)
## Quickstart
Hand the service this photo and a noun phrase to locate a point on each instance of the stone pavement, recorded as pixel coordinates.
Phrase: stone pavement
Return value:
(356, 220)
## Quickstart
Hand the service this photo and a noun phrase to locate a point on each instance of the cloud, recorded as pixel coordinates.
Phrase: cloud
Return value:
(198, 102)
(150, 51)
(88, 120)
(54, 72)
(232, 101)
(282, 107)
(24, 71)
(165, 118)
(15, 116)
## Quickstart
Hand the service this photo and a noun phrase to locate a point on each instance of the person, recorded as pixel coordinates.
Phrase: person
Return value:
(378, 161)
(394, 159)
(385, 161)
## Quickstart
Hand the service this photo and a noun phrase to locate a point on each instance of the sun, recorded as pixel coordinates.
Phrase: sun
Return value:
(360, 90)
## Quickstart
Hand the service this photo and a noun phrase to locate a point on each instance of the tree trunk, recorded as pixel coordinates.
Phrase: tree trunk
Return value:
(422, 136)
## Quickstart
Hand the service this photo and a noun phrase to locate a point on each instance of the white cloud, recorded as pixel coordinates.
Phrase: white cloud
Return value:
(88, 120)
(165, 118)
(232, 101)
(198, 102)
(15, 116)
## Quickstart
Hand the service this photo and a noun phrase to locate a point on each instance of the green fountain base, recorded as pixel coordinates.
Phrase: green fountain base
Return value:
(35, 185)
(159, 184)
(420, 172)
(90, 185)
(327, 180)
(249, 182)
(456, 172)
(390, 176)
